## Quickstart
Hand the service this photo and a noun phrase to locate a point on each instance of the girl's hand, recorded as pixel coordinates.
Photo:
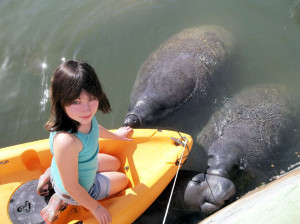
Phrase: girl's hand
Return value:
(124, 132)
(121, 134)
(102, 215)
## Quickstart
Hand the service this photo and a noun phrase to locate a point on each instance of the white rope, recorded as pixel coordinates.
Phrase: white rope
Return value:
(169, 202)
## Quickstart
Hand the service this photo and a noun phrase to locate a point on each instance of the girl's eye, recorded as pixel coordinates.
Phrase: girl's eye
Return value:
(76, 102)
(92, 98)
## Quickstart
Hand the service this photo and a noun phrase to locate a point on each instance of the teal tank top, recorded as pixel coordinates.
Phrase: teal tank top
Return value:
(87, 158)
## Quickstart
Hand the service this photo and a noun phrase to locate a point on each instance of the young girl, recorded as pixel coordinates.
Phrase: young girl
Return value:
(78, 173)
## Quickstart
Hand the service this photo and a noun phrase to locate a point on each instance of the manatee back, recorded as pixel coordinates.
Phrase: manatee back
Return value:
(259, 119)
(185, 64)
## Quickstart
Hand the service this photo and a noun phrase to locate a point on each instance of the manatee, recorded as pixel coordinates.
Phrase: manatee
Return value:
(248, 134)
(184, 68)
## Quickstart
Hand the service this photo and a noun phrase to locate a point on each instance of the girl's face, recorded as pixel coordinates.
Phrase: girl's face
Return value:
(83, 108)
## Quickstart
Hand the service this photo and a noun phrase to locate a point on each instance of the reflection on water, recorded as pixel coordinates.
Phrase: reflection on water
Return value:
(117, 36)
(45, 87)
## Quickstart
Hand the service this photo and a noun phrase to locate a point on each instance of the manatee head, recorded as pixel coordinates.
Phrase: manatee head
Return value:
(208, 193)
(145, 111)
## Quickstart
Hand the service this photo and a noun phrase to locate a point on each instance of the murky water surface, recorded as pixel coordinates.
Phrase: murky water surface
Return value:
(117, 36)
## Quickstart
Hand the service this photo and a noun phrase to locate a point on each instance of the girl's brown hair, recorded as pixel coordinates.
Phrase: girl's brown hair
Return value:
(68, 80)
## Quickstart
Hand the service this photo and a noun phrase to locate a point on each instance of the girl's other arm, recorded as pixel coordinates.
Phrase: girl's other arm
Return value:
(121, 134)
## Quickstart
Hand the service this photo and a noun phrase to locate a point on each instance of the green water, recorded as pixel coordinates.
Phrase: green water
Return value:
(116, 37)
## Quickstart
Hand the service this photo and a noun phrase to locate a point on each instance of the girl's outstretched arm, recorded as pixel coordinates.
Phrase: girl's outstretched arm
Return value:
(121, 134)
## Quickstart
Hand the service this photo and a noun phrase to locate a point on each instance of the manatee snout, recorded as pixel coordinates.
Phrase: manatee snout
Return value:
(133, 121)
(208, 193)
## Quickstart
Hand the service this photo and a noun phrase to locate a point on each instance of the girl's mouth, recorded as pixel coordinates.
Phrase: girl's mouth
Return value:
(86, 117)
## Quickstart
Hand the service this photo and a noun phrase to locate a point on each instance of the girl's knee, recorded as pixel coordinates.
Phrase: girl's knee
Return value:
(117, 164)
(125, 180)
(108, 163)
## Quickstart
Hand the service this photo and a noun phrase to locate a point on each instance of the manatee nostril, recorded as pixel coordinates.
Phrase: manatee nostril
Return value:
(199, 178)
(132, 121)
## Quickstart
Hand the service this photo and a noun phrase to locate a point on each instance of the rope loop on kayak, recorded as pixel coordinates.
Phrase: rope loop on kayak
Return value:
(183, 141)
(184, 144)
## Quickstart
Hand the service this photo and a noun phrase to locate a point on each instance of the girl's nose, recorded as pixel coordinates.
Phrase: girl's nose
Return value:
(86, 107)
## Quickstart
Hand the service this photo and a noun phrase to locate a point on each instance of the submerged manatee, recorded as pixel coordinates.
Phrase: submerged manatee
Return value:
(248, 134)
(184, 67)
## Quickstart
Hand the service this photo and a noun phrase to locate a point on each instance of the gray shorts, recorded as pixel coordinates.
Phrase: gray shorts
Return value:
(98, 191)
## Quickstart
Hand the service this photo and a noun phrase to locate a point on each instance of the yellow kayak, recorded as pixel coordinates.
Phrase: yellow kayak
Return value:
(150, 162)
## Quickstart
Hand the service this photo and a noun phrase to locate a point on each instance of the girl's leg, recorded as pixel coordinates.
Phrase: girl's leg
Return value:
(108, 163)
(44, 184)
(51, 212)
(118, 181)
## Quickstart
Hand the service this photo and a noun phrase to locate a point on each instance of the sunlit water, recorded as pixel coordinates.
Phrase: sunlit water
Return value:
(117, 36)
